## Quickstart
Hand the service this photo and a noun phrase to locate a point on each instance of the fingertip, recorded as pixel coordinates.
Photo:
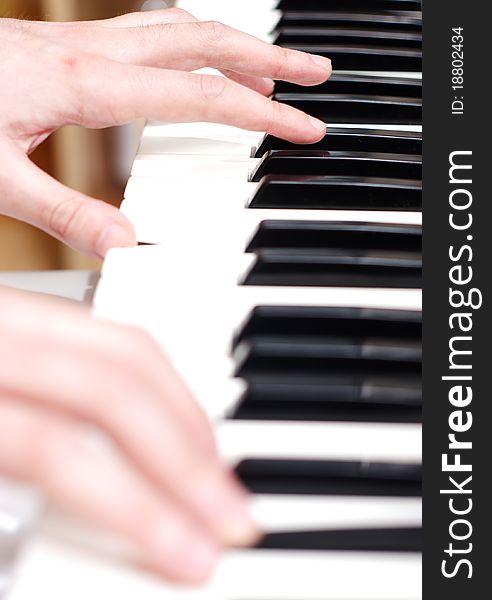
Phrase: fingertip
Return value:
(116, 235)
(323, 63)
(317, 130)
(266, 86)
(312, 132)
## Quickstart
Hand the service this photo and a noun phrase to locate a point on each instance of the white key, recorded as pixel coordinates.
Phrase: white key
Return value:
(154, 224)
(55, 563)
(301, 512)
(197, 138)
(254, 18)
(376, 442)
(175, 165)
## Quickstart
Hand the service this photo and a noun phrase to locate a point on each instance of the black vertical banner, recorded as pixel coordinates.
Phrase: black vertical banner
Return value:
(457, 293)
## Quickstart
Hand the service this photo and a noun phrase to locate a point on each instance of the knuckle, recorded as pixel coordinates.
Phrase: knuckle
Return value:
(75, 74)
(69, 60)
(63, 216)
(154, 34)
(214, 32)
(283, 58)
(273, 116)
(212, 87)
(131, 344)
(179, 14)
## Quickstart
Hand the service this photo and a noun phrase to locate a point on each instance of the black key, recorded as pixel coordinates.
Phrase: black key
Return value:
(357, 140)
(378, 20)
(368, 540)
(385, 389)
(336, 235)
(367, 401)
(324, 320)
(308, 5)
(338, 163)
(333, 347)
(365, 57)
(350, 84)
(324, 477)
(347, 35)
(339, 268)
(339, 108)
(261, 355)
(337, 193)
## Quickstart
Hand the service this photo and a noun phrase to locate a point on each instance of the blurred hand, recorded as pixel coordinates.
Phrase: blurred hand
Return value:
(102, 73)
(160, 485)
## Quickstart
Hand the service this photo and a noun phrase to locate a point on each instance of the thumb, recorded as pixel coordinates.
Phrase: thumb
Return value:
(86, 224)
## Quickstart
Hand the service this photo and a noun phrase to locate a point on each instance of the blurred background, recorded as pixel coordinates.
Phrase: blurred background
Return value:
(94, 162)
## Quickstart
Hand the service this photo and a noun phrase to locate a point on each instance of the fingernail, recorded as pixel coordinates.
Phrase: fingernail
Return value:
(237, 526)
(241, 532)
(321, 61)
(269, 85)
(115, 236)
(317, 124)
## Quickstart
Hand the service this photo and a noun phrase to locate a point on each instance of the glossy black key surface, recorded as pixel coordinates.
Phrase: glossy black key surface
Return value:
(339, 108)
(357, 140)
(384, 389)
(347, 35)
(339, 268)
(352, 236)
(337, 193)
(378, 20)
(338, 163)
(264, 356)
(309, 5)
(324, 477)
(365, 57)
(350, 400)
(333, 347)
(368, 540)
(350, 84)
(326, 320)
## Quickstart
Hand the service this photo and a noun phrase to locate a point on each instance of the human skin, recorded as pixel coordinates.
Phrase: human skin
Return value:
(157, 479)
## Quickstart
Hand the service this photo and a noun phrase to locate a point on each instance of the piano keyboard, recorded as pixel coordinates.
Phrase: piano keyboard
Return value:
(284, 283)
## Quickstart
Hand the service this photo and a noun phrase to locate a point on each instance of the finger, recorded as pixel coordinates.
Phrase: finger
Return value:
(90, 480)
(146, 18)
(102, 389)
(263, 85)
(134, 19)
(191, 46)
(84, 34)
(121, 93)
(88, 225)
(93, 341)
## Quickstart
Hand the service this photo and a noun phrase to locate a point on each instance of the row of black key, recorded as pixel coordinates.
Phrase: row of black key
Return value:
(382, 21)
(308, 5)
(348, 169)
(340, 254)
(326, 363)
(338, 364)
(336, 478)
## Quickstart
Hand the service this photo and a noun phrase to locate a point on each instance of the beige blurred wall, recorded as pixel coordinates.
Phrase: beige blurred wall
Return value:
(82, 159)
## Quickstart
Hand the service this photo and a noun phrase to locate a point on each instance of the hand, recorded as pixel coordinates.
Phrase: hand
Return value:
(159, 484)
(103, 73)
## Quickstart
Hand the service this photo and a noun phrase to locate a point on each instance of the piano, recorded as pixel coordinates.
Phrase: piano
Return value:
(284, 283)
